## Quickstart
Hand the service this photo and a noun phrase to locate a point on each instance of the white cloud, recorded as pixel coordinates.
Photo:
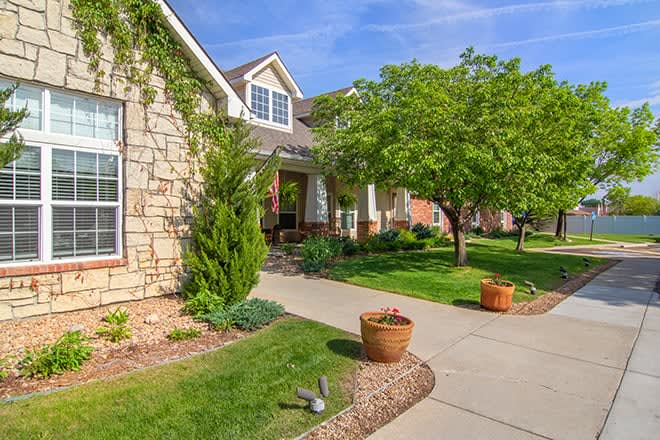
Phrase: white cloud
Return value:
(652, 100)
(472, 14)
(596, 33)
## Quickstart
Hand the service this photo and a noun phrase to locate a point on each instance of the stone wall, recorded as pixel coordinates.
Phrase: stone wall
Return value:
(38, 44)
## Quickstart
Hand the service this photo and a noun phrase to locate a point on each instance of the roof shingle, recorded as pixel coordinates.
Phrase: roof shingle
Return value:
(244, 68)
(305, 106)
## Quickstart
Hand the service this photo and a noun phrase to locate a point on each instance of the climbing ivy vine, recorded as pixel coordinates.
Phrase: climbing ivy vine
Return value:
(227, 252)
(142, 43)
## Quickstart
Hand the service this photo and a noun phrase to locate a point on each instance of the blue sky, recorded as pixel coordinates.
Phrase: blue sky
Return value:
(327, 44)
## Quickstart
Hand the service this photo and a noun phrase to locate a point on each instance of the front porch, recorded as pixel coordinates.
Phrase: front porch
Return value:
(317, 210)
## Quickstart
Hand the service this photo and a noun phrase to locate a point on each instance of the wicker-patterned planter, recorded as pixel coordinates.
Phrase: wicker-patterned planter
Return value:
(382, 342)
(496, 298)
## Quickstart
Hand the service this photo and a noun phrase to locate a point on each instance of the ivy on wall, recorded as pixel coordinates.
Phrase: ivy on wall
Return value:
(227, 252)
(142, 43)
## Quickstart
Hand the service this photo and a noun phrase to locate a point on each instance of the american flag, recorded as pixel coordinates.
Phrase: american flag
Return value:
(274, 192)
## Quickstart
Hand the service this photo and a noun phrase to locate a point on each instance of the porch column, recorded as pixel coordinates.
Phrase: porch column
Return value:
(367, 222)
(316, 206)
(402, 209)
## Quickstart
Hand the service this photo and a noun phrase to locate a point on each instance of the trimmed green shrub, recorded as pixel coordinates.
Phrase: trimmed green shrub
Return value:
(405, 235)
(413, 245)
(247, 315)
(183, 334)
(317, 251)
(68, 353)
(228, 247)
(349, 246)
(422, 231)
(287, 248)
(203, 302)
(388, 235)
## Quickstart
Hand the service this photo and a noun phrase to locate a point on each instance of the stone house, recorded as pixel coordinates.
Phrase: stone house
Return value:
(96, 211)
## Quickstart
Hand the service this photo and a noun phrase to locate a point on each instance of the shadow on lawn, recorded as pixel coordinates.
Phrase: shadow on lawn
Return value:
(346, 347)
(542, 268)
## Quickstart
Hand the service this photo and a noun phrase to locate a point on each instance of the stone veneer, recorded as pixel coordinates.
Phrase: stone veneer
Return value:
(38, 44)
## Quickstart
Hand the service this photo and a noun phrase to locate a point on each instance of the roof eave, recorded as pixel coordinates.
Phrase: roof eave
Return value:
(203, 65)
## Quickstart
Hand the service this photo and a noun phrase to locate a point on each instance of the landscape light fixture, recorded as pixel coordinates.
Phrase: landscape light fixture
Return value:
(316, 404)
(586, 261)
(532, 287)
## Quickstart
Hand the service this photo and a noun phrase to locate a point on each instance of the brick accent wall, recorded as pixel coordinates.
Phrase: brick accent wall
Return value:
(38, 44)
(422, 211)
(320, 228)
(401, 224)
(365, 229)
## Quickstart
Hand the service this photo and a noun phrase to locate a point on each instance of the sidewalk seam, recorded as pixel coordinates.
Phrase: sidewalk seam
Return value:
(491, 418)
(551, 353)
(618, 388)
(462, 338)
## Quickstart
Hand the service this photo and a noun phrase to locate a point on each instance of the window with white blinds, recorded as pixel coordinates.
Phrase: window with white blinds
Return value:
(59, 202)
(61, 113)
(20, 195)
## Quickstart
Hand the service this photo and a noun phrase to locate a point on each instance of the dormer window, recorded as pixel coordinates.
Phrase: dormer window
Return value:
(269, 105)
(280, 108)
(260, 102)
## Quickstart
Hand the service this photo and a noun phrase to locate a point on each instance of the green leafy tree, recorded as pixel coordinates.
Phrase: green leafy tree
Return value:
(559, 154)
(616, 198)
(228, 247)
(591, 203)
(623, 146)
(641, 205)
(9, 121)
(464, 137)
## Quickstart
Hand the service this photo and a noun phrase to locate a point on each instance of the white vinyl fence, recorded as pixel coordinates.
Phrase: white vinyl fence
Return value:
(623, 224)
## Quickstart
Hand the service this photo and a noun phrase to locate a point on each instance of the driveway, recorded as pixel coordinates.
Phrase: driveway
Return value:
(517, 377)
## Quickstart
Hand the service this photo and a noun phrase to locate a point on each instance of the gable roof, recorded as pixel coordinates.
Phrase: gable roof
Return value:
(304, 107)
(245, 72)
(241, 70)
(203, 64)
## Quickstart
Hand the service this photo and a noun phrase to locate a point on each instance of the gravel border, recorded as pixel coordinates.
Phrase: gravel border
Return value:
(383, 392)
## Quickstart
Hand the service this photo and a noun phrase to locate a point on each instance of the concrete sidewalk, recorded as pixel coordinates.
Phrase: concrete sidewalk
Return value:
(512, 377)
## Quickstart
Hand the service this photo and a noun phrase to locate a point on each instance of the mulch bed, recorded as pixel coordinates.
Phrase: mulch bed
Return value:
(548, 301)
(382, 392)
(147, 346)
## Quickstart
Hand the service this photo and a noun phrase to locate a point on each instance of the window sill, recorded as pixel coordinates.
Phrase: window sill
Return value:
(42, 269)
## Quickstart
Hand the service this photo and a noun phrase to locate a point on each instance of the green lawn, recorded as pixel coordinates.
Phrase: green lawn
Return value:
(626, 238)
(540, 240)
(432, 276)
(243, 391)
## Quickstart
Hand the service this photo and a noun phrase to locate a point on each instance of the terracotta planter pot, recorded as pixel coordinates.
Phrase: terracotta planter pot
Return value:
(496, 298)
(384, 343)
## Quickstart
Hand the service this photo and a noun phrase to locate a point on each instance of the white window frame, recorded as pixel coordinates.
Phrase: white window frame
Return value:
(294, 212)
(47, 141)
(436, 208)
(353, 213)
(270, 122)
(476, 219)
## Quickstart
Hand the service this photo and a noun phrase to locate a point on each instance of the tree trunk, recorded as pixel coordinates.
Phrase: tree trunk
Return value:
(460, 250)
(564, 222)
(521, 236)
(560, 223)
